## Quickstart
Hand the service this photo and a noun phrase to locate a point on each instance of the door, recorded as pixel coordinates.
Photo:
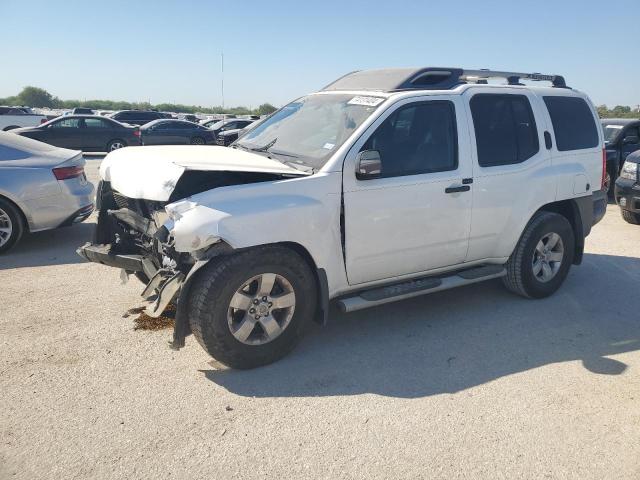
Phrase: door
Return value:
(66, 133)
(415, 217)
(630, 142)
(97, 134)
(157, 134)
(509, 162)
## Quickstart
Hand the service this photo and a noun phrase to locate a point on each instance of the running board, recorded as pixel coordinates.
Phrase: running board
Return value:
(420, 286)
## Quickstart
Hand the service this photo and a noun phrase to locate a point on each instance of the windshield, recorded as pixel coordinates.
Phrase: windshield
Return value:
(311, 128)
(611, 132)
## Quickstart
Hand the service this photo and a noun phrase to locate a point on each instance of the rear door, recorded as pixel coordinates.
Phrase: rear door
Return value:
(66, 133)
(509, 155)
(409, 220)
(97, 133)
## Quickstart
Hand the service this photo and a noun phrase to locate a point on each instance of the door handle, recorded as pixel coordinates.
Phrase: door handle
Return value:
(461, 188)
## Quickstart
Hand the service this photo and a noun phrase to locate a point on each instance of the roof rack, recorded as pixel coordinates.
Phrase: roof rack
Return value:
(431, 78)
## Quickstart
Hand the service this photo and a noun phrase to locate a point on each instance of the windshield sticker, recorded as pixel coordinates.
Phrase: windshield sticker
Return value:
(366, 101)
(328, 146)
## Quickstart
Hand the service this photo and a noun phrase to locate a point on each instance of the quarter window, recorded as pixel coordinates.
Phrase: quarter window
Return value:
(573, 123)
(505, 129)
(418, 138)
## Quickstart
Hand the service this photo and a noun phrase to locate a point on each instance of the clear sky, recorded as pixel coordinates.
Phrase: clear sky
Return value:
(169, 51)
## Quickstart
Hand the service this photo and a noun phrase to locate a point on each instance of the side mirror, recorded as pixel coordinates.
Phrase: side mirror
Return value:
(630, 140)
(368, 165)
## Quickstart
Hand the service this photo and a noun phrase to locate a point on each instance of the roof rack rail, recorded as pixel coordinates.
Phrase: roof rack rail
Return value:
(513, 78)
(431, 78)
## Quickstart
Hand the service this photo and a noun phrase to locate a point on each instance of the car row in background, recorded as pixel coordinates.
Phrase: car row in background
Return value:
(41, 187)
(89, 133)
(622, 137)
(176, 132)
(627, 189)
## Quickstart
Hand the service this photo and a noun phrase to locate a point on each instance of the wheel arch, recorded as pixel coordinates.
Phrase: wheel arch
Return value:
(23, 215)
(572, 211)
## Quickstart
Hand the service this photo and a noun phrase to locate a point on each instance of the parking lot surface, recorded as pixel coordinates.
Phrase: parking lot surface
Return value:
(469, 383)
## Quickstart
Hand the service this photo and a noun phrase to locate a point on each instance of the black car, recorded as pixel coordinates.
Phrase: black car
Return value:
(82, 111)
(622, 137)
(136, 117)
(89, 133)
(230, 124)
(227, 137)
(175, 132)
(627, 189)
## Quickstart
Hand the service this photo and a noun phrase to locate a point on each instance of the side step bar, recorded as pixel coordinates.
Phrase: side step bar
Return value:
(420, 286)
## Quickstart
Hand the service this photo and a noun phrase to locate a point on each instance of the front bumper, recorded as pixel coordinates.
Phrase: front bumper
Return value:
(627, 194)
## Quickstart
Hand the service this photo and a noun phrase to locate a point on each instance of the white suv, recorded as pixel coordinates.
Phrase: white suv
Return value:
(387, 184)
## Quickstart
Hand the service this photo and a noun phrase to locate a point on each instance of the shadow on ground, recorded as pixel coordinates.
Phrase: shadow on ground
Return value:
(454, 340)
(51, 247)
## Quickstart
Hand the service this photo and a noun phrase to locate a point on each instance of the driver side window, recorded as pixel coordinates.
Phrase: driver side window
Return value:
(417, 138)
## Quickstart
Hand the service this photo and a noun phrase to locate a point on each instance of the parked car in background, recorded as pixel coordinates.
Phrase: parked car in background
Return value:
(622, 137)
(89, 133)
(16, 117)
(175, 132)
(41, 187)
(229, 124)
(136, 117)
(189, 117)
(627, 189)
(82, 111)
(227, 137)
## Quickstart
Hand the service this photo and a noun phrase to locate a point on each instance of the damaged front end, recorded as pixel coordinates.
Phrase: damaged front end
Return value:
(131, 235)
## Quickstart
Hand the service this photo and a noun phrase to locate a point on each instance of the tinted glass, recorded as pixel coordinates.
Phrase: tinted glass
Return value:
(631, 135)
(67, 123)
(95, 123)
(415, 139)
(573, 123)
(505, 129)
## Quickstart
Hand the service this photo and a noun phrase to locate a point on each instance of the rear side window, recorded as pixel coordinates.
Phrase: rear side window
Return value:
(573, 123)
(505, 129)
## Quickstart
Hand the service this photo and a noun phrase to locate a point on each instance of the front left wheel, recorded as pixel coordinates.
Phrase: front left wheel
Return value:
(251, 308)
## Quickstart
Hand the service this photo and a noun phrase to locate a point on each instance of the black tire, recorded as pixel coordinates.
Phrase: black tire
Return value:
(215, 285)
(610, 180)
(520, 278)
(630, 217)
(197, 141)
(15, 225)
(112, 145)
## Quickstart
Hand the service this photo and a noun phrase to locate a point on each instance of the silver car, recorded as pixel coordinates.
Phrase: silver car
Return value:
(41, 187)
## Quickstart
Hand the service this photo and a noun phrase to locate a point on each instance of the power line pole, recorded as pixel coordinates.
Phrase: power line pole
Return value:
(222, 84)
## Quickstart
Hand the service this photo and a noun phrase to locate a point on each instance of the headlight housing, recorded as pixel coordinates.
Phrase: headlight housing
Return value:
(629, 171)
(175, 210)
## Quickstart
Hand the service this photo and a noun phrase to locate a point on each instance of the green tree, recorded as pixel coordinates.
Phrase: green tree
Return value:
(265, 109)
(36, 97)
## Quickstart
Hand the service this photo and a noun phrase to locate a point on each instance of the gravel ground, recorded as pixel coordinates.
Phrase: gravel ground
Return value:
(470, 383)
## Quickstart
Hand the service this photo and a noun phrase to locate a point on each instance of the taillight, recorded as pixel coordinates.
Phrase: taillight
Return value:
(65, 173)
(604, 169)
(136, 133)
(43, 120)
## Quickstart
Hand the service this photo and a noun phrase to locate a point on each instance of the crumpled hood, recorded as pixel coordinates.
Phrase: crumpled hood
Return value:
(152, 172)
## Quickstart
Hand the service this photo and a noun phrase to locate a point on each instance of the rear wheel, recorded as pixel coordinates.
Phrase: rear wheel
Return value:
(116, 145)
(541, 260)
(251, 308)
(630, 217)
(197, 141)
(11, 225)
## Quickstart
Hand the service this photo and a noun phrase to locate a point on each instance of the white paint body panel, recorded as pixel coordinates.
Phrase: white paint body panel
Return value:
(395, 228)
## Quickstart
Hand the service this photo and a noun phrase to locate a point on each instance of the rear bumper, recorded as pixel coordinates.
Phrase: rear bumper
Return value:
(599, 206)
(79, 216)
(627, 195)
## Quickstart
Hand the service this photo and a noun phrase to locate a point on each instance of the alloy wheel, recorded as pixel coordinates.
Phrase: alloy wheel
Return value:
(6, 227)
(261, 309)
(547, 257)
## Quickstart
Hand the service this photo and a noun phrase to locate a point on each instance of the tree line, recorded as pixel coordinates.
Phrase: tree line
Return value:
(40, 98)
